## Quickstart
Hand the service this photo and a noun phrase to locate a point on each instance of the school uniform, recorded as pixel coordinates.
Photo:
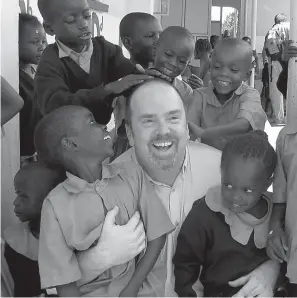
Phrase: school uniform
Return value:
(64, 235)
(29, 115)
(21, 252)
(244, 103)
(219, 246)
(285, 191)
(65, 77)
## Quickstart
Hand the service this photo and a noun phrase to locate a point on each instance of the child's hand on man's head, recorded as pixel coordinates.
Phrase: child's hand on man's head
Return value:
(195, 82)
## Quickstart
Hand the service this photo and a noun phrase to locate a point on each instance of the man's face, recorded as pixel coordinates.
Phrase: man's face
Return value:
(144, 38)
(158, 128)
(72, 23)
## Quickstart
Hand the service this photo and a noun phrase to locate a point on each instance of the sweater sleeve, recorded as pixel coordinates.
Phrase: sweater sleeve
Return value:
(51, 90)
(24, 272)
(190, 254)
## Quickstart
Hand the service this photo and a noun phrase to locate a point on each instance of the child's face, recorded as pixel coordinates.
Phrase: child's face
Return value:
(92, 139)
(72, 23)
(32, 43)
(229, 68)
(173, 55)
(30, 196)
(144, 38)
(243, 182)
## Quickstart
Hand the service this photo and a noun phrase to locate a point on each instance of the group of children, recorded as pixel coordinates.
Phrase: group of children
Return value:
(79, 82)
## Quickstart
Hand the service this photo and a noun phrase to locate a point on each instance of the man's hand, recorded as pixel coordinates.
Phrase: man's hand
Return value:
(195, 82)
(259, 282)
(118, 87)
(276, 246)
(117, 245)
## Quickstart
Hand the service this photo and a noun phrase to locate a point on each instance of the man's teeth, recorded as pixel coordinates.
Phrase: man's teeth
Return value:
(163, 144)
(223, 83)
(107, 138)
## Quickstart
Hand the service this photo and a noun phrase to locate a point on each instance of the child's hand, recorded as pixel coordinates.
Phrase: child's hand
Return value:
(195, 82)
(195, 131)
(157, 74)
(276, 246)
(289, 50)
(125, 83)
(128, 292)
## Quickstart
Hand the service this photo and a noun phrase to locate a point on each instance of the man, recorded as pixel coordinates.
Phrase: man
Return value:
(181, 172)
(273, 47)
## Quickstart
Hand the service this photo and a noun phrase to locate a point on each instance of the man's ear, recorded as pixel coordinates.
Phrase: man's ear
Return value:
(129, 134)
(127, 42)
(48, 28)
(68, 144)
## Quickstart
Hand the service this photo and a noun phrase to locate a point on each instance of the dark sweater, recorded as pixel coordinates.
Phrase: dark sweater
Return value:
(205, 241)
(29, 115)
(24, 272)
(59, 82)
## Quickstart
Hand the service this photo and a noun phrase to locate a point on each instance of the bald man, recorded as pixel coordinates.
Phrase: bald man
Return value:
(181, 171)
(228, 106)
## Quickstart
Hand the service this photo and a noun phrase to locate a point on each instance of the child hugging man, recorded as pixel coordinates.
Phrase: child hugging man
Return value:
(80, 145)
(32, 184)
(78, 69)
(228, 106)
(32, 42)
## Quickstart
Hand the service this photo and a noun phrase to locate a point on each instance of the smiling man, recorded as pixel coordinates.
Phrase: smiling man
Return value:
(180, 171)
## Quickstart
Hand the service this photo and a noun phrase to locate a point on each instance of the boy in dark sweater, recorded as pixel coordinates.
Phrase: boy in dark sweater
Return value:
(32, 42)
(78, 69)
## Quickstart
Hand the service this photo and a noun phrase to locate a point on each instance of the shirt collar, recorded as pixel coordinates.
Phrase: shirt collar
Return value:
(291, 129)
(30, 69)
(65, 51)
(75, 184)
(214, 100)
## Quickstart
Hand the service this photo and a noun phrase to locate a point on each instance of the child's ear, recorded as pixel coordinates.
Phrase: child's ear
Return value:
(48, 28)
(68, 144)
(129, 134)
(127, 42)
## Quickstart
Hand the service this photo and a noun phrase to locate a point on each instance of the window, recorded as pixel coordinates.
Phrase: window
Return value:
(215, 13)
(161, 7)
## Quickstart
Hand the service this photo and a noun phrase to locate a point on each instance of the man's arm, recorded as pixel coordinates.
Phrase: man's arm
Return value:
(11, 102)
(144, 267)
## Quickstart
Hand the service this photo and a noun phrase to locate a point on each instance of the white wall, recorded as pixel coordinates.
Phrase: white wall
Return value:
(10, 142)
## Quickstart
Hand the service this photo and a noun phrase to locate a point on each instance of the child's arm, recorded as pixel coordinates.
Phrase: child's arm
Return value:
(144, 267)
(218, 136)
(11, 102)
(276, 241)
(194, 108)
(68, 290)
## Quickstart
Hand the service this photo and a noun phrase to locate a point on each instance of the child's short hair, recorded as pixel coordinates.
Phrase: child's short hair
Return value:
(27, 19)
(54, 175)
(176, 32)
(129, 22)
(254, 144)
(203, 45)
(46, 9)
(51, 130)
(213, 39)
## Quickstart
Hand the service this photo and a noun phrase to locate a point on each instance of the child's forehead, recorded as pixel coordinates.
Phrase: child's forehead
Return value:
(60, 8)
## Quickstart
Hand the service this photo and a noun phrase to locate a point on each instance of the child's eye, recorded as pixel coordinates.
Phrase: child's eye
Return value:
(248, 190)
(87, 17)
(183, 62)
(229, 186)
(70, 20)
(168, 54)
(234, 70)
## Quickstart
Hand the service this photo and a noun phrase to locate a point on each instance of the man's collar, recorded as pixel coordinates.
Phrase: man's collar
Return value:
(75, 184)
(65, 51)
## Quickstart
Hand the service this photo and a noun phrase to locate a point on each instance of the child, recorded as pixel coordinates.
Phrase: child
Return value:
(224, 235)
(78, 69)
(139, 32)
(32, 42)
(228, 106)
(173, 52)
(255, 61)
(213, 40)
(201, 65)
(32, 184)
(80, 145)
